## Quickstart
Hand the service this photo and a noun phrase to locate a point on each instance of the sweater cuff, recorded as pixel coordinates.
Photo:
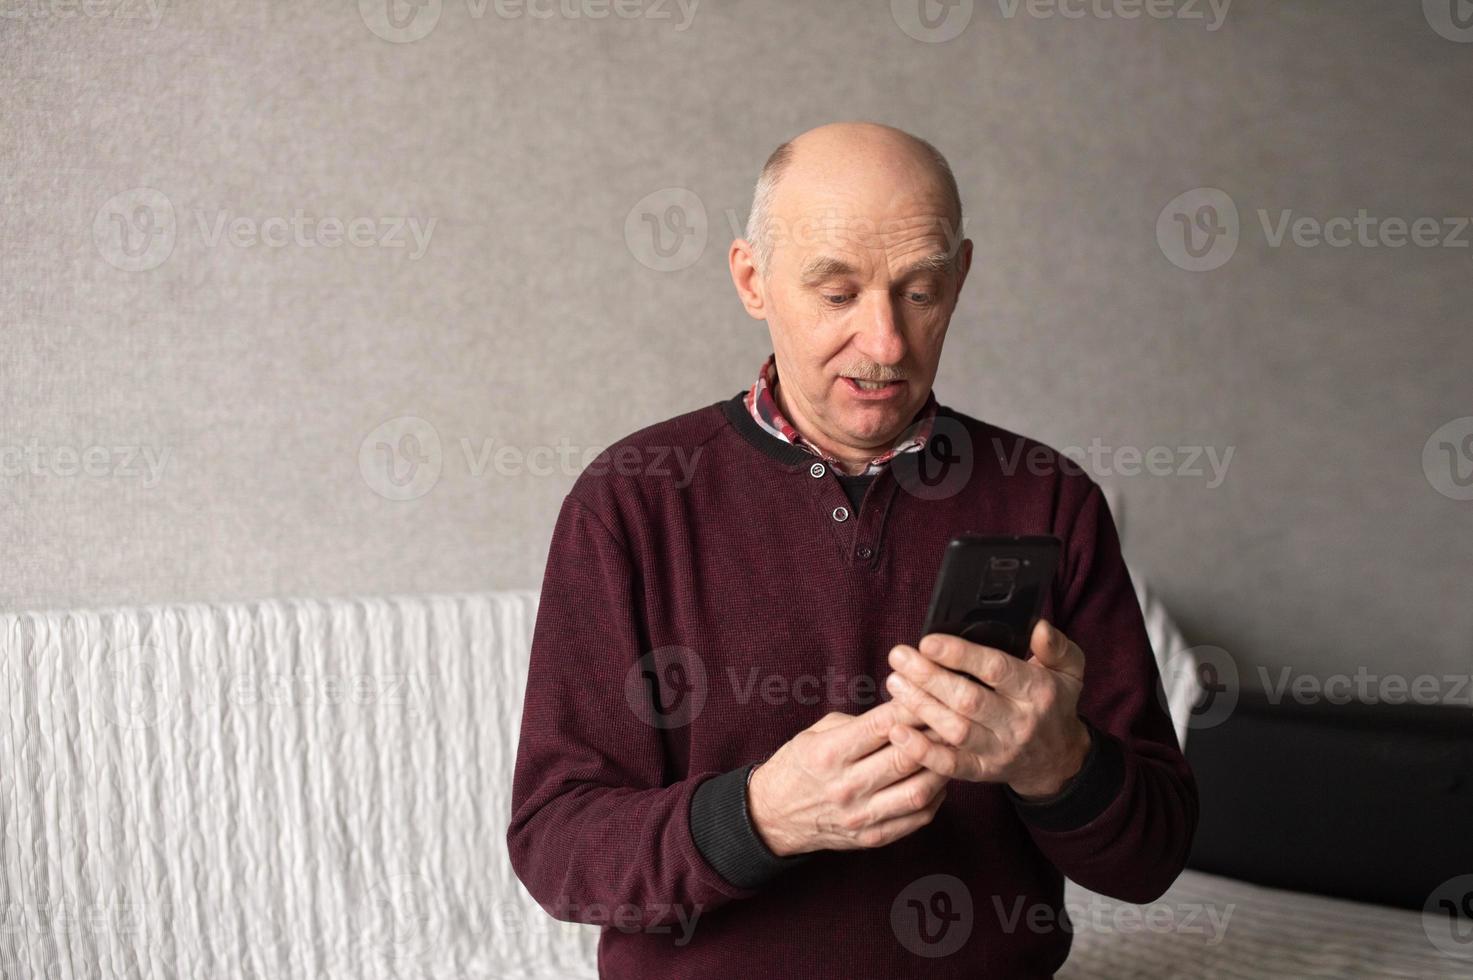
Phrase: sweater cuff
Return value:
(1088, 794)
(722, 829)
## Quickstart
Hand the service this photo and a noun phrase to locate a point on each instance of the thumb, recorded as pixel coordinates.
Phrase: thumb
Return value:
(1052, 649)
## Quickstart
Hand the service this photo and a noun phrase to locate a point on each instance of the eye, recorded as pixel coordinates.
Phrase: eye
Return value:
(922, 299)
(836, 299)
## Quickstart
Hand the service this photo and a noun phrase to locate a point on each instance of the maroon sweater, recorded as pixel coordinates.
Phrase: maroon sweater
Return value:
(710, 592)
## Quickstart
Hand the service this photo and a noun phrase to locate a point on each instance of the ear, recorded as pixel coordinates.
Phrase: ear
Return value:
(744, 277)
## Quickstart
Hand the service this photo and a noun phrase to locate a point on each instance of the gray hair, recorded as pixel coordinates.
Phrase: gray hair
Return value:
(759, 220)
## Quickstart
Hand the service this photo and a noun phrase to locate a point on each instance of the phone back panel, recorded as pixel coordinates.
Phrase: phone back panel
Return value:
(990, 589)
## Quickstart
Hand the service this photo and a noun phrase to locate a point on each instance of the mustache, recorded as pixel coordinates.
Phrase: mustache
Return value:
(874, 372)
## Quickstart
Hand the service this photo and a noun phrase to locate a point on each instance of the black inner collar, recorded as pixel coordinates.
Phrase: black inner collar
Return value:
(736, 412)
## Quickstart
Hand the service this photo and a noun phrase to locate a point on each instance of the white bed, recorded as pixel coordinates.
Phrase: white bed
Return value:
(1211, 926)
(179, 781)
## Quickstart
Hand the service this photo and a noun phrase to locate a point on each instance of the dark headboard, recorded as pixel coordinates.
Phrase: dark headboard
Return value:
(1367, 802)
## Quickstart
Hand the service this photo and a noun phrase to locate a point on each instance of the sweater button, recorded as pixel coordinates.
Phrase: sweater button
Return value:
(816, 470)
(841, 514)
(865, 553)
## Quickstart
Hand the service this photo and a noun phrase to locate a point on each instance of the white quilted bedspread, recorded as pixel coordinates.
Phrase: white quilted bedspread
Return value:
(314, 789)
(1207, 926)
(320, 789)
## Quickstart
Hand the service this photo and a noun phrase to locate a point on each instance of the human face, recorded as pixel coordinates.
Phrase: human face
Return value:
(858, 307)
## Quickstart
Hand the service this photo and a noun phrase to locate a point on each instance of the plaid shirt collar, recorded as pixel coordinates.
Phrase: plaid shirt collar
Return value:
(763, 406)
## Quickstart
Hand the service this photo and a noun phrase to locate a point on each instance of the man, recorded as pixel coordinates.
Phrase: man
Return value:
(761, 609)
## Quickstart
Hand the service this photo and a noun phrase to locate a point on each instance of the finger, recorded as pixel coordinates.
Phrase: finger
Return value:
(1052, 649)
(904, 716)
(960, 692)
(890, 831)
(865, 733)
(993, 667)
(883, 767)
(908, 796)
(956, 729)
(937, 755)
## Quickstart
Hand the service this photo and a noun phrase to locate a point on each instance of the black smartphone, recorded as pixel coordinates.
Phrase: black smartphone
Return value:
(990, 589)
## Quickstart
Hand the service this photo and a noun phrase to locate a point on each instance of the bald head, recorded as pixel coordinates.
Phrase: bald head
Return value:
(843, 164)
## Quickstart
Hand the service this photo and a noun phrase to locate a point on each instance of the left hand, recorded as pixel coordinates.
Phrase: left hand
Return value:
(1021, 727)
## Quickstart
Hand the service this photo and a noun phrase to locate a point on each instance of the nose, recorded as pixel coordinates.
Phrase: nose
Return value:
(879, 336)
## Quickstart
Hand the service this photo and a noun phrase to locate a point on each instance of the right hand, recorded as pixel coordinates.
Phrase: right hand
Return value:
(840, 784)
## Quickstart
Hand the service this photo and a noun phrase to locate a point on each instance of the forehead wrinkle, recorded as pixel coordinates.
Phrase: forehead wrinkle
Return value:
(827, 225)
(824, 267)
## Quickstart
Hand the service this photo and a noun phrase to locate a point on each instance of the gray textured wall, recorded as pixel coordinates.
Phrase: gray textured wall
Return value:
(231, 384)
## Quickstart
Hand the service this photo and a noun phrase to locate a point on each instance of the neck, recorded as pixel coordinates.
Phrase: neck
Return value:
(852, 462)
